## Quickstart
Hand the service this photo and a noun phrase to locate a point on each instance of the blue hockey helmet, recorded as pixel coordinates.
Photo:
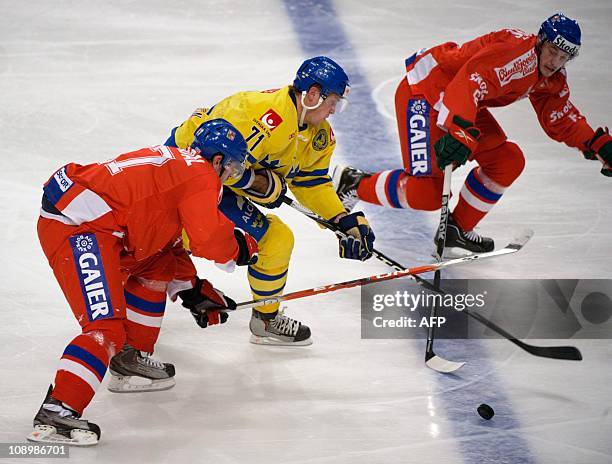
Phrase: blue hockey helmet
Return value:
(563, 32)
(218, 136)
(326, 73)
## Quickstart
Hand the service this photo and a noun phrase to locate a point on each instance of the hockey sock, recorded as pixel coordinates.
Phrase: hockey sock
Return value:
(84, 363)
(266, 283)
(384, 188)
(144, 314)
(478, 195)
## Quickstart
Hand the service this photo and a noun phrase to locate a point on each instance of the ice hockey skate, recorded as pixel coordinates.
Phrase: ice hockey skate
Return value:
(135, 371)
(346, 179)
(461, 243)
(278, 329)
(55, 423)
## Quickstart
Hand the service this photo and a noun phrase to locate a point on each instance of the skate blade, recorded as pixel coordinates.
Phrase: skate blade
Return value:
(135, 384)
(48, 434)
(270, 341)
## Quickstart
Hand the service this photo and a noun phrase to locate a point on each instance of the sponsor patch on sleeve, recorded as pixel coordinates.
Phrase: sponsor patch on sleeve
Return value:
(58, 185)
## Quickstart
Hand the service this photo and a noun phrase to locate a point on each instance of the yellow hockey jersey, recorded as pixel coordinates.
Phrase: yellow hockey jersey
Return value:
(268, 120)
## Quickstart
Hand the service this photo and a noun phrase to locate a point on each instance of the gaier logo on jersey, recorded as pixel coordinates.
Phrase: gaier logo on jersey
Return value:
(91, 275)
(271, 119)
(83, 243)
(518, 68)
(418, 142)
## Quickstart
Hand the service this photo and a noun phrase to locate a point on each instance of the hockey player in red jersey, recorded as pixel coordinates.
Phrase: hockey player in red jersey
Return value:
(112, 234)
(442, 116)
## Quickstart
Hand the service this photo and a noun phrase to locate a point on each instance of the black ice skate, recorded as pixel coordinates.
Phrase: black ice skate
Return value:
(346, 180)
(135, 371)
(57, 424)
(278, 329)
(460, 243)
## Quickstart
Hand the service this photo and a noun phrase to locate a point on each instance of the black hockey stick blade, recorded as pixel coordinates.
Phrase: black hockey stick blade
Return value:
(569, 353)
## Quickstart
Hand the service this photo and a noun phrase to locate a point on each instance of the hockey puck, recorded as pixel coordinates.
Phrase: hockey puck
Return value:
(485, 411)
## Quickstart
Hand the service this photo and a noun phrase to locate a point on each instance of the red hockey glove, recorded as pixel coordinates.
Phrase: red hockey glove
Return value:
(206, 304)
(600, 148)
(248, 250)
(458, 144)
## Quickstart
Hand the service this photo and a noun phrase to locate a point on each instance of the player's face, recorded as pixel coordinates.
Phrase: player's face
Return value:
(323, 111)
(552, 59)
(228, 169)
(217, 165)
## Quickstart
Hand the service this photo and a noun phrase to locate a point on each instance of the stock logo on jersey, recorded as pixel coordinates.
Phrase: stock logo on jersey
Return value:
(418, 137)
(320, 141)
(271, 119)
(92, 278)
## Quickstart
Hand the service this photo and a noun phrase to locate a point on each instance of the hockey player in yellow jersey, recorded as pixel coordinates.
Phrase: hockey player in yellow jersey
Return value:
(290, 143)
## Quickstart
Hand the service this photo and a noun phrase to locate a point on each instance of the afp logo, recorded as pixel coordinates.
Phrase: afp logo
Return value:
(566, 46)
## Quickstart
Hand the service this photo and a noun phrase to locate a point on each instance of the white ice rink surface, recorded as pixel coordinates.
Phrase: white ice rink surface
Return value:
(85, 81)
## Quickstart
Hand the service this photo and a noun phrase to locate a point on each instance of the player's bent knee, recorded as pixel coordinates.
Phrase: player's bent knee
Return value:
(276, 246)
(109, 333)
(516, 161)
(424, 193)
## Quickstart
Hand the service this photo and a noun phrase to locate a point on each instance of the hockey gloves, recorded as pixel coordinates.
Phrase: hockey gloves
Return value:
(458, 144)
(274, 192)
(248, 250)
(600, 147)
(359, 240)
(206, 303)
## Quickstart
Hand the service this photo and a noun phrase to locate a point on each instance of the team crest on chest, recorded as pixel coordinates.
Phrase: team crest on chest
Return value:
(321, 140)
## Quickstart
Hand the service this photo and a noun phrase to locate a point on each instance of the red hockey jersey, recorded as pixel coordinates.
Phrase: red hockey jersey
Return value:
(494, 70)
(151, 195)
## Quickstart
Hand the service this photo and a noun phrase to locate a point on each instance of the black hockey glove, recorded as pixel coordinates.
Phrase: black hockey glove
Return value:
(248, 250)
(458, 144)
(206, 303)
(601, 144)
(359, 240)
